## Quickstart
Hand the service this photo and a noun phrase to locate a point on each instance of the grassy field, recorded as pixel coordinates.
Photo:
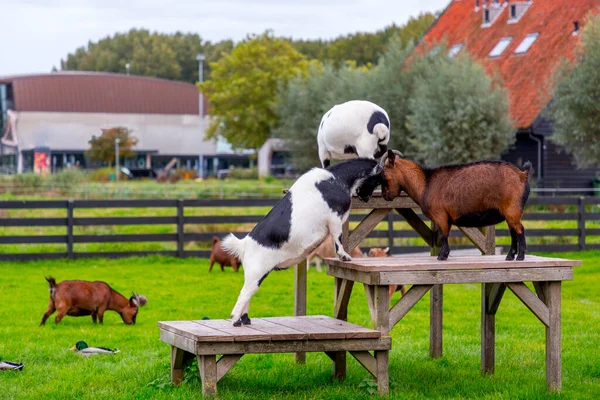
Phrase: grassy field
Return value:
(183, 289)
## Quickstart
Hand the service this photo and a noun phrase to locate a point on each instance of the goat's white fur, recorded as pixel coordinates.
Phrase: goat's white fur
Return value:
(346, 124)
(311, 221)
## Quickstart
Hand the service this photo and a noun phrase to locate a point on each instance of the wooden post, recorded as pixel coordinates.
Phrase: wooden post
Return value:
(208, 374)
(300, 300)
(581, 223)
(180, 228)
(70, 207)
(383, 377)
(340, 311)
(436, 303)
(390, 232)
(553, 338)
(491, 295)
(176, 365)
(490, 240)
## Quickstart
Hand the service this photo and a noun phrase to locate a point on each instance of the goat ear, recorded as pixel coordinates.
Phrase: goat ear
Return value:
(133, 301)
(391, 156)
(386, 249)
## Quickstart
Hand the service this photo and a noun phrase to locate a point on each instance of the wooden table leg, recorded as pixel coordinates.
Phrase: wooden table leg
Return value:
(382, 320)
(383, 377)
(435, 321)
(208, 374)
(491, 294)
(300, 300)
(177, 356)
(553, 338)
(342, 292)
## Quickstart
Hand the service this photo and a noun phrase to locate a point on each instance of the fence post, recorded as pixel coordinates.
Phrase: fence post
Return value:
(180, 228)
(390, 232)
(581, 223)
(70, 207)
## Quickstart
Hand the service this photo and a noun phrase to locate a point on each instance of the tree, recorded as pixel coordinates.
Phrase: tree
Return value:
(102, 148)
(456, 112)
(575, 106)
(243, 86)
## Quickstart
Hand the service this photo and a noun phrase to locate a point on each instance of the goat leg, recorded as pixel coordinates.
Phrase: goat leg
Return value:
(522, 244)
(510, 256)
(335, 230)
(445, 250)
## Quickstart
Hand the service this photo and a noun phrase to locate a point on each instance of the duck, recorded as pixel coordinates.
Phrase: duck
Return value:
(82, 348)
(10, 366)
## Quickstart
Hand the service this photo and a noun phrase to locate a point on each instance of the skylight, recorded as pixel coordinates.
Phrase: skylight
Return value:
(526, 43)
(500, 47)
(454, 50)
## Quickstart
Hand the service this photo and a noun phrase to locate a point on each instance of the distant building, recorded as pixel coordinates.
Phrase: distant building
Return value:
(50, 118)
(522, 41)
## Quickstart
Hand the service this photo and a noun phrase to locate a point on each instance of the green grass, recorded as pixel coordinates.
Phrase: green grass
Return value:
(183, 289)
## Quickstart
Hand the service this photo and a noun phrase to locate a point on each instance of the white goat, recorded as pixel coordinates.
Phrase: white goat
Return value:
(355, 128)
(316, 205)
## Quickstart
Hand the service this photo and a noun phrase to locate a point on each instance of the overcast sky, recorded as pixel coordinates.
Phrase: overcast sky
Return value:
(36, 34)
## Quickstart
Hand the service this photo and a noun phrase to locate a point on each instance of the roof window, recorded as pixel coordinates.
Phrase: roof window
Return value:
(454, 50)
(491, 12)
(526, 43)
(500, 47)
(516, 9)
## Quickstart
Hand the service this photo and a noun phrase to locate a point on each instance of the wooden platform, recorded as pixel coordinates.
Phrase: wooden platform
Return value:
(206, 339)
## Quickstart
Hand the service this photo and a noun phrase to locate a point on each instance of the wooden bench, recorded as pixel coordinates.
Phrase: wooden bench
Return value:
(207, 339)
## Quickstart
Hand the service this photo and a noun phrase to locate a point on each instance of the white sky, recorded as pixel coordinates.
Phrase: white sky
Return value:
(36, 34)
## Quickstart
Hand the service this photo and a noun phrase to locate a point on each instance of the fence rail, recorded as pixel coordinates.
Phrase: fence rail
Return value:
(582, 212)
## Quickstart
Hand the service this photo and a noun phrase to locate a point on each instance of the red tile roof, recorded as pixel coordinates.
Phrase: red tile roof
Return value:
(98, 92)
(526, 75)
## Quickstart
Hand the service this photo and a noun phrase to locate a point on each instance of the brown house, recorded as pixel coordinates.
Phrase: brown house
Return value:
(522, 41)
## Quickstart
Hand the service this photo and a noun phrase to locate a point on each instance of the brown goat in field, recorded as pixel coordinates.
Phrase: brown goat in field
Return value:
(470, 195)
(379, 252)
(217, 254)
(326, 250)
(79, 298)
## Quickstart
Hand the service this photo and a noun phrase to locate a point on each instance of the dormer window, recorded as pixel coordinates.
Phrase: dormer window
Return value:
(516, 9)
(526, 43)
(491, 12)
(454, 50)
(500, 47)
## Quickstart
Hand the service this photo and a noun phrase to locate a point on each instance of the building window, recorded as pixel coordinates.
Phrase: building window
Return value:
(500, 47)
(526, 43)
(454, 50)
(516, 10)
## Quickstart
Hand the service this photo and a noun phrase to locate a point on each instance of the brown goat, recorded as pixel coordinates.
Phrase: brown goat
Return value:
(326, 250)
(217, 254)
(470, 195)
(79, 298)
(379, 252)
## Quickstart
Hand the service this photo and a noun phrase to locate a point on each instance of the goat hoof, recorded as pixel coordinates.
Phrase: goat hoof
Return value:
(442, 257)
(510, 257)
(245, 320)
(345, 257)
(520, 257)
(238, 323)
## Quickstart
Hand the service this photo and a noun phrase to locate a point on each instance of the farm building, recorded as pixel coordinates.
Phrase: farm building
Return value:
(522, 41)
(47, 121)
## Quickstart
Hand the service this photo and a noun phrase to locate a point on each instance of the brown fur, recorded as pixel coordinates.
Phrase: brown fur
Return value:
(379, 252)
(217, 254)
(450, 194)
(326, 250)
(79, 298)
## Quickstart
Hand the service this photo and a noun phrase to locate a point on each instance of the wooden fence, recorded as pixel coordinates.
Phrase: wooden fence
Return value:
(581, 213)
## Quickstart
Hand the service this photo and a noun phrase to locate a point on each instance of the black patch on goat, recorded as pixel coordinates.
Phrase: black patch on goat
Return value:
(377, 118)
(365, 191)
(479, 219)
(274, 230)
(335, 195)
(381, 150)
(349, 149)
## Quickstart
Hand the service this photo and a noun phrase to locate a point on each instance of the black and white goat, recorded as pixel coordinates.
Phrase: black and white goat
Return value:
(354, 128)
(317, 205)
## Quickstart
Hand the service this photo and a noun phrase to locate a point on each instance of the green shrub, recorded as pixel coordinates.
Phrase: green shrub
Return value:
(100, 174)
(182, 174)
(243, 173)
(68, 178)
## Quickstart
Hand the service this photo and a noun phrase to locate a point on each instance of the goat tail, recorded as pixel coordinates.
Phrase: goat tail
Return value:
(215, 239)
(381, 131)
(234, 246)
(527, 167)
(51, 286)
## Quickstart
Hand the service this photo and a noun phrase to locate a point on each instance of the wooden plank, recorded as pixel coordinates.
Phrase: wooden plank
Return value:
(230, 202)
(124, 203)
(380, 202)
(351, 331)
(383, 377)
(121, 254)
(300, 276)
(207, 364)
(365, 359)
(342, 298)
(532, 302)
(553, 337)
(382, 309)
(141, 237)
(496, 291)
(407, 302)
(151, 220)
(475, 236)
(362, 230)
(181, 342)
(436, 304)
(488, 327)
(33, 222)
(304, 324)
(176, 365)
(293, 346)
(263, 327)
(24, 239)
(417, 224)
(196, 331)
(540, 290)
(244, 333)
(31, 204)
(370, 294)
(490, 240)
(225, 363)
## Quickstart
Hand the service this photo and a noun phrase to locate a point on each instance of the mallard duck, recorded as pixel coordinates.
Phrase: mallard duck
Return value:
(82, 348)
(10, 366)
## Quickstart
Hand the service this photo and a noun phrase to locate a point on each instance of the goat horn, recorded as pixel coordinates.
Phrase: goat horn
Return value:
(382, 160)
(398, 153)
